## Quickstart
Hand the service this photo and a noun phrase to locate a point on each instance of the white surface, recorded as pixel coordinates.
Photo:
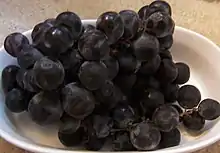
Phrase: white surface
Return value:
(203, 57)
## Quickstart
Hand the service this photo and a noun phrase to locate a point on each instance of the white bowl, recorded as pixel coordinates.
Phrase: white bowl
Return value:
(200, 53)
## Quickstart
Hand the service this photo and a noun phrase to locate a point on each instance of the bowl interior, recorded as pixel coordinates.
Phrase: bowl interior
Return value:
(203, 58)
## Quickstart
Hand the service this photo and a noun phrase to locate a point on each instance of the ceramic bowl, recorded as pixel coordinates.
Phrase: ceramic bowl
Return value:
(203, 57)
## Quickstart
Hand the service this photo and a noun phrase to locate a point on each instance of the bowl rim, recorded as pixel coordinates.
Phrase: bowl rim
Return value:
(46, 149)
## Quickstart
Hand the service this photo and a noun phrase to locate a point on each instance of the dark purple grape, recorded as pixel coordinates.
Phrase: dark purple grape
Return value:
(121, 142)
(145, 136)
(131, 23)
(45, 108)
(93, 45)
(144, 12)
(125, 82)
(108, 95)
(101, 125)
(127, 63)
(15, 100)
(165, 54)
(29, 82)
(151, 100)
(71, 21)
(161, 6)
(94, 143)
(159, 24)
(183, 73)
(123, 116)
(170, 92)
(40, 29)
(151, 66)
(146, 47)
(166, 118)
(167, 71)
(14, 43)
(156, 6)
(170, 139)
(9, 77)
(69, 124)
(77, 101)
(112, 66)
(71, 60)
(188, 96)
(56, 40)
(166, 42)
(89, 28)
(48, 74)
(28, 56)
(112, 25)
(209, 109)
(93, 74)
(68, 137)
(193, 121)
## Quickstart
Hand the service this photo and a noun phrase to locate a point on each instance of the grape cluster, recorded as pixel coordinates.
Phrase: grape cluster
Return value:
(115, 80)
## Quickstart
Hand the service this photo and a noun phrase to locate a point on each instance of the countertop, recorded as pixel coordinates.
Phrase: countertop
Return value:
(19, 15)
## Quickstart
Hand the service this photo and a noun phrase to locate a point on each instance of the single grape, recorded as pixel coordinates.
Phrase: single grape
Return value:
(146, 47)
(127, 63)
(170, 92)
(145, 136)
(112, 25)
(209, 109)
(159, 24)
(71, 21)
(93, 74)
(151, 100)
(188, 96)
(9, 77)
(28, 56)
(57, 40)
(77, 101)
(48, 74)
(131, 23)
(112, 66)
(45, 108)
(166, 118)
(123, 116)
(15, 100)
(93, 45)
(166, 42)
(14, 43)
(193, 121)
(167, 71)
(170, 139)
(121, 142)
(183, 73)
(161, 6)
(151, 66)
